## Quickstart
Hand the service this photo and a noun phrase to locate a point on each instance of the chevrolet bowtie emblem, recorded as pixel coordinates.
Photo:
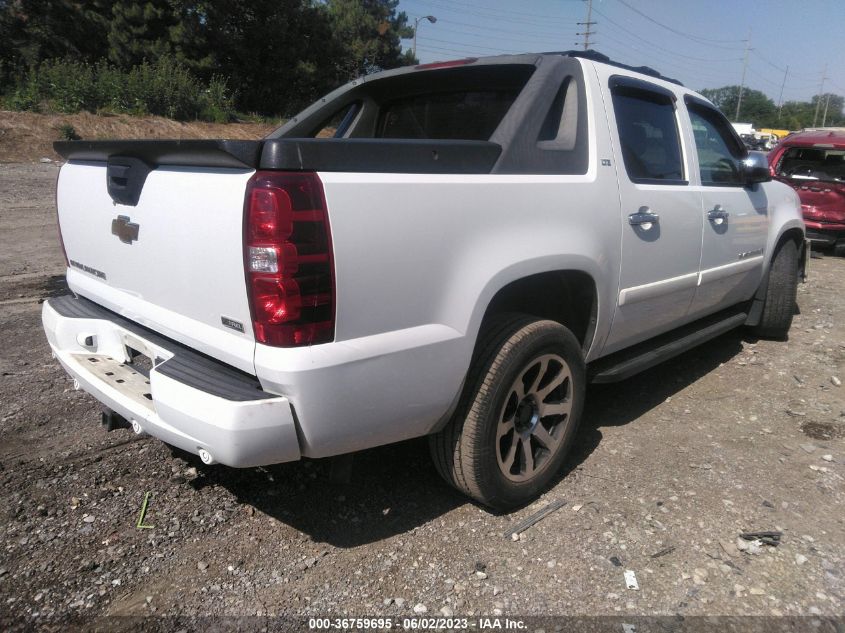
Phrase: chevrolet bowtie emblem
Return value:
(127, 231)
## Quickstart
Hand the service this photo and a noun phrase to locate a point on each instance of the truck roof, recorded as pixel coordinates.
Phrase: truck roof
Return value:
(817, 137)
(521, 58)
(604, 59)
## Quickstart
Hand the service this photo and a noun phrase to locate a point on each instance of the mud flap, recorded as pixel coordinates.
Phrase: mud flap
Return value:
(804, 265)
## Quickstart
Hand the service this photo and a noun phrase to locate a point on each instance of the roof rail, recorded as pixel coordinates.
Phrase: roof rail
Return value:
(604, 59)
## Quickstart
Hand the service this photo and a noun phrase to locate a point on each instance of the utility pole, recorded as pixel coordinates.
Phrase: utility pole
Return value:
(742, 83)
(821, 92)
(589, 24)
(824, 116)
(782, 86)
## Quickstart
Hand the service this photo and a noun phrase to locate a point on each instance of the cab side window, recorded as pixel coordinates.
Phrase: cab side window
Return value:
(719, 152)
(648, 133)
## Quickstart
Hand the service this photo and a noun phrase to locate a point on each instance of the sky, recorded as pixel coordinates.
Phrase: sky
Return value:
(699, 42)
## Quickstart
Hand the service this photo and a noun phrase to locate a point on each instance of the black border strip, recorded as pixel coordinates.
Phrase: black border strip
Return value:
(187, 365)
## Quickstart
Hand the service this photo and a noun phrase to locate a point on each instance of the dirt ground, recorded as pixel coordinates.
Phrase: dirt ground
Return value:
(669, 467)
(27, 137)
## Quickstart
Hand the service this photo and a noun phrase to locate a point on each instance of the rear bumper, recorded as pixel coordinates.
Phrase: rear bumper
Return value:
(185, 399)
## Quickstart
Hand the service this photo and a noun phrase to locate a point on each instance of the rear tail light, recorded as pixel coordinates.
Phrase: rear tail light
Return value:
(288, 259)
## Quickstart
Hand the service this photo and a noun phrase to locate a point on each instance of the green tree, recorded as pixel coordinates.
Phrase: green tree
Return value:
(141, 30)
(756, 107)
(34, 30)
(277, 54)
(795, 115)
(369, 34)
(829, 110)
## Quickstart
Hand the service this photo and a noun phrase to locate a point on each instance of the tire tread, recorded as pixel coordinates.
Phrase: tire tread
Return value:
(781, 292)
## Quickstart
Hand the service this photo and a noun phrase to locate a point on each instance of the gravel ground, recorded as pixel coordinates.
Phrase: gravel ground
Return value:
(670, 466)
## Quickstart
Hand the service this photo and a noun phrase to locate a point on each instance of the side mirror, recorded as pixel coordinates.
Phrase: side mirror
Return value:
(755, 168)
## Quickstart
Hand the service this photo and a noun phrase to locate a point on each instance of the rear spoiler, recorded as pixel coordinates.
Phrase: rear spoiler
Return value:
(295, 154)
(200, 153)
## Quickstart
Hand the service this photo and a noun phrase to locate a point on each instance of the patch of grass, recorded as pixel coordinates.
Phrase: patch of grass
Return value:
(68, 133)
(164, 88)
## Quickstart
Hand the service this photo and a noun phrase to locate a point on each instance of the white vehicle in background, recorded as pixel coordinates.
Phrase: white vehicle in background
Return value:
(746, 129)
(479, 240)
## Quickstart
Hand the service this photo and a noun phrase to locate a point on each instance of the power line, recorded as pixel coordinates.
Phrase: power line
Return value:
(499, 13)
(496, 14)
(678, 69)
(552, 41)
(779, 68)
(674, 54)
(673, 30)
(606, 35)
(637, 36)
(438, 50)
(472, 46)
(681, 55)
(530, 35)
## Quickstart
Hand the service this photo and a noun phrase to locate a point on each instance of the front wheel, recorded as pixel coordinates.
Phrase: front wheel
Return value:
(518, 414)
(781, 293)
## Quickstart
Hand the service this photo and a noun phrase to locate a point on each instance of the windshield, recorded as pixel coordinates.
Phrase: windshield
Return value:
(813, 163)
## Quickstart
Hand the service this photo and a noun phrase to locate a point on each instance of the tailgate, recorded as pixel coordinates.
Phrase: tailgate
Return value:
(173, 262)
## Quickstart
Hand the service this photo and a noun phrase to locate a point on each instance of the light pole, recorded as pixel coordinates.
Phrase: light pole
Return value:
(431, 19)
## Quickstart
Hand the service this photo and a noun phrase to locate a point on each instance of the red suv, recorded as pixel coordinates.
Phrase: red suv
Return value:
(813, 163)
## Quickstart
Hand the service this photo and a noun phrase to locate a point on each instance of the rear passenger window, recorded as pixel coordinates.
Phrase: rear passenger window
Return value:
(338, 123)
(466, 115)
(648, 133)
(719, 151)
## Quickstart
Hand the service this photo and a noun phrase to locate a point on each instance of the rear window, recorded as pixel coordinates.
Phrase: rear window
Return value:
(813, 163)
(465, 115)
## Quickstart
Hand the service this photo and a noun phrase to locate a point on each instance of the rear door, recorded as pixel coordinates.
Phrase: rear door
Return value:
(735, 217)
(661, 218)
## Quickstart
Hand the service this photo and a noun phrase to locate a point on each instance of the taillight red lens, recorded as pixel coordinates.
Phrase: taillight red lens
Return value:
(277, 300)
(288, 259)
(271, 215)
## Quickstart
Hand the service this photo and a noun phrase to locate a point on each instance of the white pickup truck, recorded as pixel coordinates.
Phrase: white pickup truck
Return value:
(479, 240)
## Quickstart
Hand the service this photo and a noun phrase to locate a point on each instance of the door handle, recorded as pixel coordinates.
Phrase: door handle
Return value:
(643, 218)
(717, 215)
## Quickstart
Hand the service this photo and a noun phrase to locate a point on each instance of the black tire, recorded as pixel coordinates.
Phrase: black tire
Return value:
(839, 248)
(504, 443)
(781, 291)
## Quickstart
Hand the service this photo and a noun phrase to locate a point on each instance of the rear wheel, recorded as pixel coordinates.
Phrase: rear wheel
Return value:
(518, 414)
(781, 291)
